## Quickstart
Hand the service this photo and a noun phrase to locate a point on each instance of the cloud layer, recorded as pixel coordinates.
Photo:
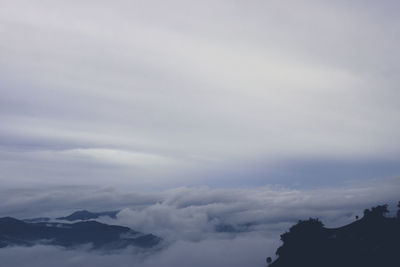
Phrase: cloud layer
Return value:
(200, 226)
(290, 109)
(152, 94)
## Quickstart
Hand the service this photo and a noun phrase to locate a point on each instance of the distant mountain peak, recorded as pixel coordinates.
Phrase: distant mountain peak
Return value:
(87, 215)
(101, 236)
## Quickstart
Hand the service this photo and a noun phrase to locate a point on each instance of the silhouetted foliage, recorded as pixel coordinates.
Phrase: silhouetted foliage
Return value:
(398, 210)
(302, 228)
(376, 212)
(309, 229)
(269, 260)
(371, 241)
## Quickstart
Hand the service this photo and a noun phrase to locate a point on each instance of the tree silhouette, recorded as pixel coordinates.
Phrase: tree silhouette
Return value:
(308, 229)
(398, 211)
(369, 242)
(376, 212)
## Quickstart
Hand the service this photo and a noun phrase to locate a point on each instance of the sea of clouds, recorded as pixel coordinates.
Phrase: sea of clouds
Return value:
(200, 226)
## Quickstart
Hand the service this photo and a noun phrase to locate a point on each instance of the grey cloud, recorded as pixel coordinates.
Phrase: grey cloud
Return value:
(214, 252)
(201, 83)
(187, 219)
(196, 211)
(106, 106)
(191, 214)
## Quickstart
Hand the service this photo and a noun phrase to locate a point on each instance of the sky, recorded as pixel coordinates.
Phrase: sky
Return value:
(152, 95)
(189, 114)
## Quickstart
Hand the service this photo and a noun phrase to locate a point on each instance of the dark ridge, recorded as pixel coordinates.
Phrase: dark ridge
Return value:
(229, 228)
(87, 215)
(39, 219)
(15, 232)
(373, 240)
(225, 228)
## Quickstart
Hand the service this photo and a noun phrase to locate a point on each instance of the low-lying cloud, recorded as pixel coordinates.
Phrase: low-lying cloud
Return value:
(200, 226)
(242, 251)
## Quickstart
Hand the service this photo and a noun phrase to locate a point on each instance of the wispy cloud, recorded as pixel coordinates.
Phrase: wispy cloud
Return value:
(199, 84)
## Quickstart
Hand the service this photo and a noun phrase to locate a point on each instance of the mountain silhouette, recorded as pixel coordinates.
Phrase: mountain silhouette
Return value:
(38, 219)
(80, 215)
(101, 236)
(87, 215)
(373, 240)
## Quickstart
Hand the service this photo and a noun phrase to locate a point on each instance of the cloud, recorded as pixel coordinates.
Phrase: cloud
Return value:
(188, 213)
(210, 252)
(188, 220)
(107, 106)
(203, 85)
(192, 214)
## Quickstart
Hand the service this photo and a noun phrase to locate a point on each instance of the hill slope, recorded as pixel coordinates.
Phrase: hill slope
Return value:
(87, 215)
(101, 236)
(373, 240)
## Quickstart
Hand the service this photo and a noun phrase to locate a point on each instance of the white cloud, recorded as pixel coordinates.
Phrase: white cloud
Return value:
(187, 218)
(211, 252)
(190, 213)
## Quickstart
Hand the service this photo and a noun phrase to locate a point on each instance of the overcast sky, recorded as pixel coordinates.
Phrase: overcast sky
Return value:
(151, 95)
(188, 115)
